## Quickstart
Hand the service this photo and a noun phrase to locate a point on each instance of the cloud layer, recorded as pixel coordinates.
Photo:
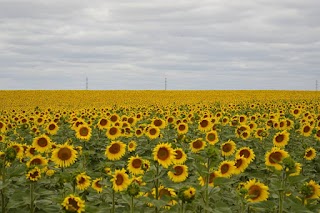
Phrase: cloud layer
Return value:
(206, 44)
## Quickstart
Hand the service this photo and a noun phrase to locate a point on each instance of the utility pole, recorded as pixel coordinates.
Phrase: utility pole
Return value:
(86, 83)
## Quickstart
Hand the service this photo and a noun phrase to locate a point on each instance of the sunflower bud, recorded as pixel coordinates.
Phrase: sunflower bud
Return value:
(289, 164)
(133, 189)
(10, 154)
(306, 190)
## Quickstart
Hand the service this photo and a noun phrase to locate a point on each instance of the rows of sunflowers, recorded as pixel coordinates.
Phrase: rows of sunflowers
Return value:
(159, 151)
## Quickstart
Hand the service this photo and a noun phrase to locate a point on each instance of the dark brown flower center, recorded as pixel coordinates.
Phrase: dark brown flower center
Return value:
(36, 161)
(309, 153)
(74, 204)
(245, 153)
(178, 170)
(197, 144)
(211, 136)
(182, 127)
(238, 163)
(163, 153)
(114, 148)
(152, 131)
(204, 123)
(82, 180)
(119, 179)
(113, 131)
(52, 126)
(43, 142)
(254, 192)
(64, 153)
(157, 122)
(275, 157)
(103, 122)
(279, 138)
(178, 154)
(84, 131)
(227, 147)
(306, 129)
(225, 168)
(136, 163)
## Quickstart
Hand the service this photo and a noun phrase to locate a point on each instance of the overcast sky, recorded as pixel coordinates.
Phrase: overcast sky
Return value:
(136, 44)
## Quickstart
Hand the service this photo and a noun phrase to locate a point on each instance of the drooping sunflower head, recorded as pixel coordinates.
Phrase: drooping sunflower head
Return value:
(120, 180)
(274, 158)
(197, 145)
(42, 143)
(73, 203)
(164, 154)
(310, 153)
(18, 150)
(180, 156)
(311, 190)
(256, 191)
(64, 155)
(212, 176)
(281, 139)
(228, 148)
(179, 173)
(115, 150)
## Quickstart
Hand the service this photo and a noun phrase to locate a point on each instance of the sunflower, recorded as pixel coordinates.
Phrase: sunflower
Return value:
(153, 132)
(37, 160)
(212, 137)
(3, 127)
(296, 170)
(256, 191)
(225, 120)
(311, 190)
(179, 173)
(260, 133)
(189, 193)
(64, 155)
(281, 139)
(275, 157)
(146, 165)
(310, 153)
(115, 150)
(228, 148)
(2, 138)
(306, 130)
(19, 151)
(114, 118)
(83, 181)
(182, 128)
(240, 129)
(205, 124)
(103, 123)
(247, 153)
(42, 143)
(132, 146)
(138, 132)
(165, 192)
(83, 132)
(197, 145)
(159, 123)
(226, 168)
(120, 180)
(34, 174)
(73, 203)
(135, 165)
(164, 154)
(212, 176)
(52, 128)
(240, 163)
(96, 185)
(180, 156)
(317, 135)
(113, 132)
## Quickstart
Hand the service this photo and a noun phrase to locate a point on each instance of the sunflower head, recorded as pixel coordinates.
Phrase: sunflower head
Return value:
(164, 154)
(256, 191)
(73, 203)
(310, 153)
(187, 194)
(83, 181)
(310, 190)
(42, 143)
(115, 150)
(34, 174)
(281, 139)
(64, 155)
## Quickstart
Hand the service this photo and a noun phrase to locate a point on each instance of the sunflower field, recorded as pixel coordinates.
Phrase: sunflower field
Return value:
(159, 151)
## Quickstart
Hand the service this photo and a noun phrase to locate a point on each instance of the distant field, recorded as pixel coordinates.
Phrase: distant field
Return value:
(159, 151)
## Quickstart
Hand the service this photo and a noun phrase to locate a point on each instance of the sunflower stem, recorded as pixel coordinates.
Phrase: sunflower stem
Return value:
(207, 186)
(157, 185)
(31, 197)
(131, 207)
(3, 173)
(113, 201)
(281, 191)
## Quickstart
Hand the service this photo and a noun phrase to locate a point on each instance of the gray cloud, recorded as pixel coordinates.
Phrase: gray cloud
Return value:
(207, 44)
